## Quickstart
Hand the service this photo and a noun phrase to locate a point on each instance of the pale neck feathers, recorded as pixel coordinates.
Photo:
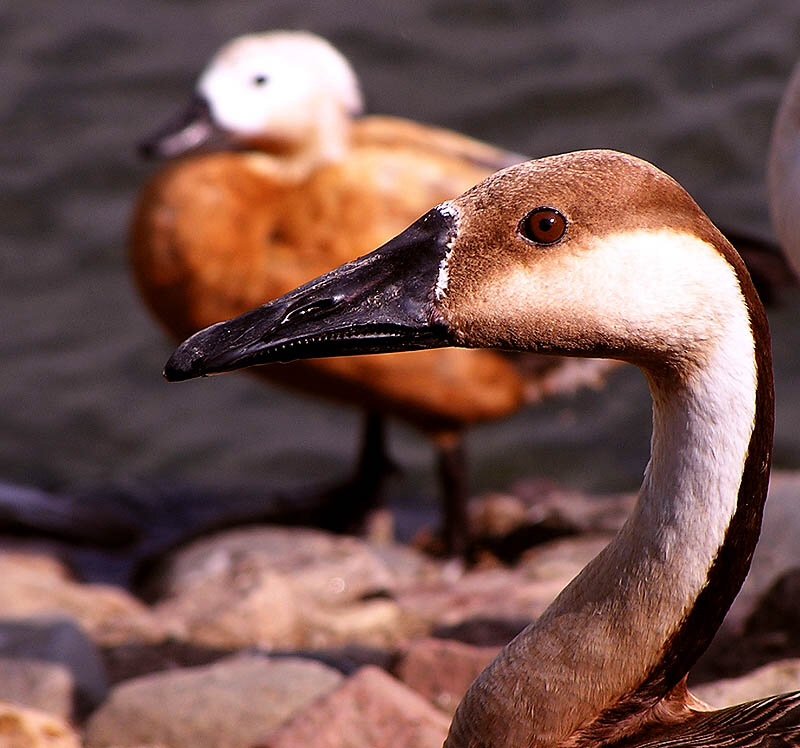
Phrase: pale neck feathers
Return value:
(607, 631)
(324, 145)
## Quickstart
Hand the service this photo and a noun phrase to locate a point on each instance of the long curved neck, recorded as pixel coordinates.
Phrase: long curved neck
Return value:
(624, 633)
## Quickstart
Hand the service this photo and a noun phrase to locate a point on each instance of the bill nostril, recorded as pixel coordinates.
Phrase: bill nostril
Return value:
(309, 308)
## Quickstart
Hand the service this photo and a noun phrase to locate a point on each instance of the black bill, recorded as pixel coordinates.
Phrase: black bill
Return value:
(381, 303)
(192, 130)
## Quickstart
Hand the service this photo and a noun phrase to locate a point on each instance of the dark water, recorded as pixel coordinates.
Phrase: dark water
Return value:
(691, 86)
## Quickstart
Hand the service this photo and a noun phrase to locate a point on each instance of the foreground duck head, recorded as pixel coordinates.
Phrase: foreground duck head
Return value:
(592, 253)
(282, 92)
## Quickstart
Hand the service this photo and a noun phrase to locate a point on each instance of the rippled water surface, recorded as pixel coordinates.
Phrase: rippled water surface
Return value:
(691, 86)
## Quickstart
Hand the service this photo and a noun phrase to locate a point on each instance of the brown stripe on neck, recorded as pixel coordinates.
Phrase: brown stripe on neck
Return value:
(732, 562)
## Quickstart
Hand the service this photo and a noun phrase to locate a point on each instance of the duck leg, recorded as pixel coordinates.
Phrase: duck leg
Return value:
(372, 469)
(452, 470)
(348, 506)
(374, 463)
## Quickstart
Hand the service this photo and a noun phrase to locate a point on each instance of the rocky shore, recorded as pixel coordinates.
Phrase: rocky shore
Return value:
(276, 637)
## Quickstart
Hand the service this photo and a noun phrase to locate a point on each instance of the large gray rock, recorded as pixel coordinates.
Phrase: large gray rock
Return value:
(49, 663)
(331, 569)
(242, 606)
(287, 588)
(772, 632)
(234, 702)
(761, 625)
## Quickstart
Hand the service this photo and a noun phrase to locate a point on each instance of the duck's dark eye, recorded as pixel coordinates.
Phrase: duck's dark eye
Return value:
(260, 80)
(543, 226)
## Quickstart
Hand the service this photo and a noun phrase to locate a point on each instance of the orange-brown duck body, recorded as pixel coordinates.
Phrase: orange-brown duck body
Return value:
(305, 185)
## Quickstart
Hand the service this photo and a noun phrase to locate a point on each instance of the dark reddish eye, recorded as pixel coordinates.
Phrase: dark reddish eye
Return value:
(543, 226)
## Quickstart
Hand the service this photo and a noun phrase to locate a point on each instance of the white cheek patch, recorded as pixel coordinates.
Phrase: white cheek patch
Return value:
(647, 285)
(448, 210)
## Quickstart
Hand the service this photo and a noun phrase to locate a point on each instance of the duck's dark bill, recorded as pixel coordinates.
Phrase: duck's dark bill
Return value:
(192, 130)
(379, 304)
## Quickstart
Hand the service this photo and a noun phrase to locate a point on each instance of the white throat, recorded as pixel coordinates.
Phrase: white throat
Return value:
(701, 433)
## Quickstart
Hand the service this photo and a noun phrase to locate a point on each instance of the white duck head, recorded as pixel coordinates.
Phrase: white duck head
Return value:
(286, 93)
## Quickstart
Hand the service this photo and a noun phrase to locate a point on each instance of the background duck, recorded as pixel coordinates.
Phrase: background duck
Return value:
(549, 257)
(783, 175)
(309, 186)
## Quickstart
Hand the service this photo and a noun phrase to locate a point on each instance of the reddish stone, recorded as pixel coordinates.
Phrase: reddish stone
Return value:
(441, 670)
(370, 710)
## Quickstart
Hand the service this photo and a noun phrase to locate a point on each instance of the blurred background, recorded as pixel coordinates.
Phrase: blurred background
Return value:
(691, 86)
